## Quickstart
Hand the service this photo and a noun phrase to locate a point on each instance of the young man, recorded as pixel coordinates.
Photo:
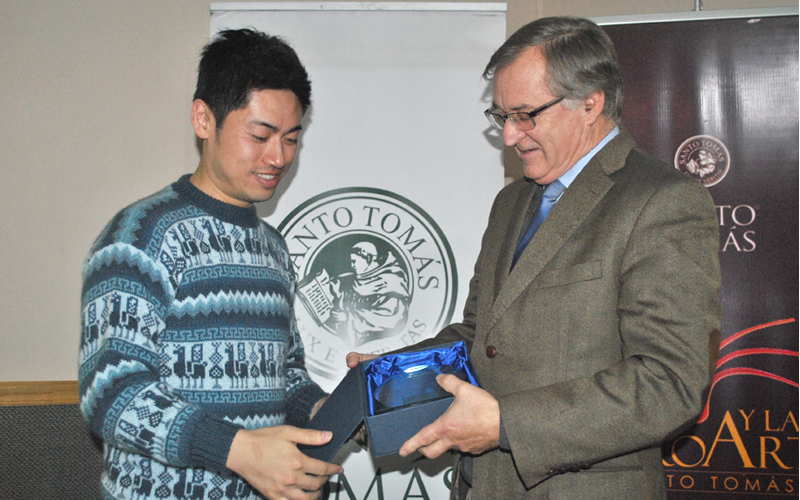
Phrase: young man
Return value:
(190, 359)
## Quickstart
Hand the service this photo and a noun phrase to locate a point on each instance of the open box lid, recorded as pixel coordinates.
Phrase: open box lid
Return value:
(396, 394)
(341, 414)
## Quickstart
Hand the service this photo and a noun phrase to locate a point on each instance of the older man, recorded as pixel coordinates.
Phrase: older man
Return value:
(594, 298)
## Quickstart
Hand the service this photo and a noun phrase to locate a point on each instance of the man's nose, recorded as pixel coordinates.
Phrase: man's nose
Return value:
(274, 155)
(511, 134)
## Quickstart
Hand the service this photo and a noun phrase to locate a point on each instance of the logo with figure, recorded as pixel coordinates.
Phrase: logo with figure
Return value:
(375, 273)
(705, 158)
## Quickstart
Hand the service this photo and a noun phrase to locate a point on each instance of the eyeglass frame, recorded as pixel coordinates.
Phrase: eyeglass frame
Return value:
(516, 122)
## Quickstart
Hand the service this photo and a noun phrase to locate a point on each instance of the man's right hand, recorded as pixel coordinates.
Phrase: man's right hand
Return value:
(268, 459)
(354, 358)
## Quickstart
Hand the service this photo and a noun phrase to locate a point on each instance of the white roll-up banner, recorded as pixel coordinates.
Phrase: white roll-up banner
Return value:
(385, 204)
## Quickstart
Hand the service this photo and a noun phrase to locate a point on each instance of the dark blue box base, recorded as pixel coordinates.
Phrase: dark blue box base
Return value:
(347, 409)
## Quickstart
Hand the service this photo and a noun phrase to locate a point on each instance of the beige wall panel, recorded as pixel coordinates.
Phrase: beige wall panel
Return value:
(95, 97)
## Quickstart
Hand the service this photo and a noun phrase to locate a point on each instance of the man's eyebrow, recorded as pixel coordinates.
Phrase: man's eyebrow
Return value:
(272, 127)
(519, 108)
(512, 110)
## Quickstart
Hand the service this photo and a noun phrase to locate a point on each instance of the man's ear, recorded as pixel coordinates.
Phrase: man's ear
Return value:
(593, 106)
(202, 119)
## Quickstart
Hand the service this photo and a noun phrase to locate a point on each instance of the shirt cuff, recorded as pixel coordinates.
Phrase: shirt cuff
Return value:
(211, 443)
(504, 444)
(299, 402)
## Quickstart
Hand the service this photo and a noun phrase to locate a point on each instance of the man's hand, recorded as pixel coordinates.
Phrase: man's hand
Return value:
(268, 459)
(471, 424)
(354, 358)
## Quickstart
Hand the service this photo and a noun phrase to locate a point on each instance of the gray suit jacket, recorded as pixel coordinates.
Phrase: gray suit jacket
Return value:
(601, 332)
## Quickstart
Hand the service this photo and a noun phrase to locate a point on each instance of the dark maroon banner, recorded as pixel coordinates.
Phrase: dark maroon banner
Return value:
(718, 99)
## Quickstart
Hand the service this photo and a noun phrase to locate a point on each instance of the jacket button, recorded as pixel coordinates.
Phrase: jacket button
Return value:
(491, 351)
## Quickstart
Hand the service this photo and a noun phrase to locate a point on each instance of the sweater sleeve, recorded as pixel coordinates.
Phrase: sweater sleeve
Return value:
(126, 293)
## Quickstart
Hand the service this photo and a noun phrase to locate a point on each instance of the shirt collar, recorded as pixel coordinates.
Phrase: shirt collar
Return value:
(576, 169)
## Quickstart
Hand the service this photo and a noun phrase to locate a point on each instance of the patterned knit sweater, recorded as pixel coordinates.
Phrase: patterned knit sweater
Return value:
(188, 335)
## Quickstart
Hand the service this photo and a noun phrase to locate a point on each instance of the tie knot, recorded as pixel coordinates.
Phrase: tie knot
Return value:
(553, 190)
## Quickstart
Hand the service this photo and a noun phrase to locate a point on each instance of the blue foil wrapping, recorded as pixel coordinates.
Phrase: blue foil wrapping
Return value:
(405, 379)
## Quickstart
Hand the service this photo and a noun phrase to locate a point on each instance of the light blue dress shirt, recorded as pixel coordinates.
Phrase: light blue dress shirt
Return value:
(576, 169)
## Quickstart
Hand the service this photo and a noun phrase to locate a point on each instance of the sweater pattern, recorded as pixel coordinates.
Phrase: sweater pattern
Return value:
(188, 335)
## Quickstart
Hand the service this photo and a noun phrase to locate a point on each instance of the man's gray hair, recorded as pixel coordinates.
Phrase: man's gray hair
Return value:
(581, 59)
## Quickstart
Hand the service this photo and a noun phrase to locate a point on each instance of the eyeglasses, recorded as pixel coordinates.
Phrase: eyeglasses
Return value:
(522, 120)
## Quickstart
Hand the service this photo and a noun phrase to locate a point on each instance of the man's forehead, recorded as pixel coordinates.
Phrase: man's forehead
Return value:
(273, 109)
(286, 98)
(523, 98)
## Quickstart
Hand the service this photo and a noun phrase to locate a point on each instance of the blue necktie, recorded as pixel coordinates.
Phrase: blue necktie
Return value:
(549, 198)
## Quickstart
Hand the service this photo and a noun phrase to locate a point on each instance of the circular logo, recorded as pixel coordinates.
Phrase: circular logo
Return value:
(374, 273)
(703, 157)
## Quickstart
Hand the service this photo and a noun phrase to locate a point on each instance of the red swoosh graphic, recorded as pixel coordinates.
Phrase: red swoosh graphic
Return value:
(737, 336)
(747, 371)
(750, 352)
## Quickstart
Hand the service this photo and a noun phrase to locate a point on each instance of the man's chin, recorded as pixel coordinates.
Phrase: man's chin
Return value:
(534, 173)
(262, 196)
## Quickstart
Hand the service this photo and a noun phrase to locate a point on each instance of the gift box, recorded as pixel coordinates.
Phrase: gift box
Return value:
(395, 395)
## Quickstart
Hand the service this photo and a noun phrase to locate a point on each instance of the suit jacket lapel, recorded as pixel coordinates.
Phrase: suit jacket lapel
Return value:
(567, 215)
(511, 236)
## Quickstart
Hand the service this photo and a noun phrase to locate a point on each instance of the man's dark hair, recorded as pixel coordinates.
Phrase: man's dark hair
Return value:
(238, 62)
(581, 59)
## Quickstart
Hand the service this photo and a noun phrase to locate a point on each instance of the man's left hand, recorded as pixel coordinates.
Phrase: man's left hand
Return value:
(471, 424)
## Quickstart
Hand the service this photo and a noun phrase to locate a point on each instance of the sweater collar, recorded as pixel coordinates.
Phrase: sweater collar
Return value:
(240, 216)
